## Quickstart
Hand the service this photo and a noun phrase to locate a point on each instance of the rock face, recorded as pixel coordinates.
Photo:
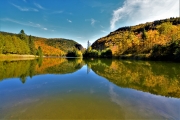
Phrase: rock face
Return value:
(79, 46)
(99, 44)
(104, 43)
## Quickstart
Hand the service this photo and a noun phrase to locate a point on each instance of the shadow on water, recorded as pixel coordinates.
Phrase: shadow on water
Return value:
(160, 78)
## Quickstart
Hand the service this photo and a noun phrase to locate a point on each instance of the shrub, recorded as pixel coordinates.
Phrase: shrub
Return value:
(106, 53)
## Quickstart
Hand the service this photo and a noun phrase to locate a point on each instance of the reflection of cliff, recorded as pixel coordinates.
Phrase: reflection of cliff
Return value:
(24, 68)
(156, 78)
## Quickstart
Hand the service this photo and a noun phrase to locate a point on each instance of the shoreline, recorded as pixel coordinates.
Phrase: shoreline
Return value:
(144, 57)
(11, 57)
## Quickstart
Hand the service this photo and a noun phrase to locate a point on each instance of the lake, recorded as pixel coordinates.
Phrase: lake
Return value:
(60, 88)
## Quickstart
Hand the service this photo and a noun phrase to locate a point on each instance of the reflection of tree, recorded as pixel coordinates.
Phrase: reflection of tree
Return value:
(21, 69)
(88, 69)
(67, 66)
(157, 78)
(23, 78)
(99, 63)
(32, 68)
(39, 60)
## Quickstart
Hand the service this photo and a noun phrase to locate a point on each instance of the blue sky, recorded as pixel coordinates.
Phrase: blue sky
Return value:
(80, 20)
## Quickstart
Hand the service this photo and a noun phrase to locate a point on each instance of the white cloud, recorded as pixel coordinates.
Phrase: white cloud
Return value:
(31, 24)
(45, 29)
(103, 31)
(69, 21)
(39, 6)
(57, 12)
(24, 8)
(37, 25)
(140, 11)
(101, 26)
(93, 21)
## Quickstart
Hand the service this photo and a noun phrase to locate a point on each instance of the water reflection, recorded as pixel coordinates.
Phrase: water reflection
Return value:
(161, 78)
(57, 88)
(29, 68)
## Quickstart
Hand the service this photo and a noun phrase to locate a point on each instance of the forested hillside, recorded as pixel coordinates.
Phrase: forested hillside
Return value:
(57, 46)
(156, 40)
(16, 44)
(48, 50)
(64, 44)
(21, 43)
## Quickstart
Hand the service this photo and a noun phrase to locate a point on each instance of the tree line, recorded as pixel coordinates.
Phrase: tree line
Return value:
(18, 44)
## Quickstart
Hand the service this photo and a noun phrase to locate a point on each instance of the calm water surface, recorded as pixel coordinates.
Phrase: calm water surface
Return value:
(55, 88)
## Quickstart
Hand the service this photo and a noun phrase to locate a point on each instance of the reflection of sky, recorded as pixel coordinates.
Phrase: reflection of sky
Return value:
(135, 104)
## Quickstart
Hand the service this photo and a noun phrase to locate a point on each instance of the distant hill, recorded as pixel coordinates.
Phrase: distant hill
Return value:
(56, 46)
(64, 44)
(158, 40)
(51, 47)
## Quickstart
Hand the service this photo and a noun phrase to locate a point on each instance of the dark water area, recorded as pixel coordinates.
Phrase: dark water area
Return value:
(60, 88)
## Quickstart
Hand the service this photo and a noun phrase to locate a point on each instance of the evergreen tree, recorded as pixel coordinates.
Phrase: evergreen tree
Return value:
(32, 45)
(23, 36)
(144, 35)
(39, 52)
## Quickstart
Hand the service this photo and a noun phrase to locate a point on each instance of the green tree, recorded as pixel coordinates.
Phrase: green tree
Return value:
(89, 49)
(1, 43)
(144, 34)
(32, 45)
(165, 28)
(9, 45)
(22, 35)
(39, 52)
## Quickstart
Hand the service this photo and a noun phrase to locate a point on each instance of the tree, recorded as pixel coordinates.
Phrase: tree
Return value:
(144, 34)
(22, 35)
(165, 28)
(1, 43)
(89, 49)
(39, 52)
(9, 45)
(88, 44)
(32, 45)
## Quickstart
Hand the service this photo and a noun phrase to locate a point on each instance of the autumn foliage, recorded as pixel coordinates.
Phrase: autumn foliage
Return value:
(48, 50)
(142, 39)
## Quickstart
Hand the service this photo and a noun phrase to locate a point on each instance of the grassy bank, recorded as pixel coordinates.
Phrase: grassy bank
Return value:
(16, 57)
